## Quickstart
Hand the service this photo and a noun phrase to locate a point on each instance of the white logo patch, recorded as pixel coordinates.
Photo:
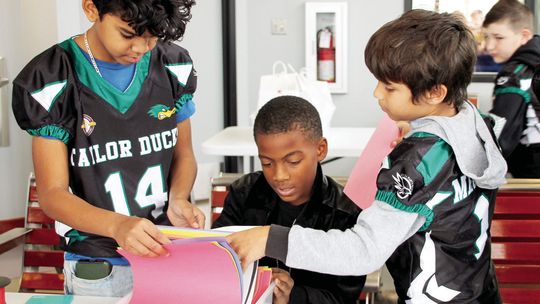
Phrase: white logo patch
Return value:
(403, 185)
(502, 80)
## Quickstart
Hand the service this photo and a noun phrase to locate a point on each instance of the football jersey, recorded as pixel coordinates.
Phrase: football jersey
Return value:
(448, 259)
(120, 144)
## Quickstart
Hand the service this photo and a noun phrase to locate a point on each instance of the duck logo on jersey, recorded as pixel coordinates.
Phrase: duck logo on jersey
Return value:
(403, 185)
(88, 125)
(161, 112)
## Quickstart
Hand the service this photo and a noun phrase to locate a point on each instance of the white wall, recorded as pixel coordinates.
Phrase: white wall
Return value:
(25, 30)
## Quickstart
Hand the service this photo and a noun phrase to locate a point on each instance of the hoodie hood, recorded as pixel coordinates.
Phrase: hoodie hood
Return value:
(477, 154)
(529, 53)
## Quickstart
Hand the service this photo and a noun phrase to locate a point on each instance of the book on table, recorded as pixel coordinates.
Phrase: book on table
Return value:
(201, 268)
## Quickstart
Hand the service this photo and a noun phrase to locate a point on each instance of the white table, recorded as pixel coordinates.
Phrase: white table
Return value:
(22, 297)
(238, 141)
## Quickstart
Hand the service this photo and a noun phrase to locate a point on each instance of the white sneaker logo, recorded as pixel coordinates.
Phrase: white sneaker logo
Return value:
(404, 185)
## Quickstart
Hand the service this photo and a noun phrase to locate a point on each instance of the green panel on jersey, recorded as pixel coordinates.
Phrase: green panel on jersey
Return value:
(433, 161)
(51, 131)
(182, 101)
(391, 199)
(513, 90)
(75, 236)
(121, 101)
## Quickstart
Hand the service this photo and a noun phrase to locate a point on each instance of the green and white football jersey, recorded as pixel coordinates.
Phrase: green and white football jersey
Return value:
(120, 144)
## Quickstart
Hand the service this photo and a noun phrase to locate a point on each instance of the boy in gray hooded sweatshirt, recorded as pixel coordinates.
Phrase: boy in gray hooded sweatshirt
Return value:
(431, 218)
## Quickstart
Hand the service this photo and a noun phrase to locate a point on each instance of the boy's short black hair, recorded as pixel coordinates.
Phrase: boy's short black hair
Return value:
(288, 113)
(518, 15)
(165, 19)
(424, 49)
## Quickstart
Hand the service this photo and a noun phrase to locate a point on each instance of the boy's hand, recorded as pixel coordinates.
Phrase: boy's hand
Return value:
(139, 236)
(404, 128)
(250, 244)
(284, 285)
(182, 213)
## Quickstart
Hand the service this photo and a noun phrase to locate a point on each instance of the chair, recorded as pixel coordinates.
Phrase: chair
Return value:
(515, 249)
(220, 188)
(42, 261)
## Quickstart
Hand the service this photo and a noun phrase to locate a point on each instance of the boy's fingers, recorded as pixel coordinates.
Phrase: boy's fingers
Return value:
(187, 213)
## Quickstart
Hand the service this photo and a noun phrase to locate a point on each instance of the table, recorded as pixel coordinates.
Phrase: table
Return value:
(22, 297)
(238, 141)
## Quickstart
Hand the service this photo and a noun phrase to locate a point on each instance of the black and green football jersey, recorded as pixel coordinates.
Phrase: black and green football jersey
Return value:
(448, 259)
(120, 144)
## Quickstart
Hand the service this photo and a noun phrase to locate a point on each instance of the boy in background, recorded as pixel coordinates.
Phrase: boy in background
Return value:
(292, 190)
(430, 221)
(109, 113)
(508, 29)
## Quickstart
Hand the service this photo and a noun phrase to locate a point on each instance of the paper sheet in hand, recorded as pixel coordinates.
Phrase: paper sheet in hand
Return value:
(362, 183)
(201, 268)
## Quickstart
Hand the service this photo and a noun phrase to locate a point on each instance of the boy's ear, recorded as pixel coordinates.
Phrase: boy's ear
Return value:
(322, 149)
(90, 10)
(436, 95)
(526, 35)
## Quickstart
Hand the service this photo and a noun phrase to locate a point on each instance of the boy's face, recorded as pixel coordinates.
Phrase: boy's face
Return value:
(111, 39)
(289, 163)
(502, 40)
(396, 100)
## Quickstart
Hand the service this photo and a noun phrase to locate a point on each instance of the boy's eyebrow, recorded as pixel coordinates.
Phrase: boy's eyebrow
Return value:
(288, 154)
(126, 31)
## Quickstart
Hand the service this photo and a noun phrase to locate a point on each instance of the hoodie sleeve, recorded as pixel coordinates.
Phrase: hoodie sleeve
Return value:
(378, 231)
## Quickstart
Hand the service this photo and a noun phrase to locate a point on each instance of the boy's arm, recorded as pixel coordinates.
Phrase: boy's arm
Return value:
(136, 235)
(183, 172)
(512, 108)
(379, 230)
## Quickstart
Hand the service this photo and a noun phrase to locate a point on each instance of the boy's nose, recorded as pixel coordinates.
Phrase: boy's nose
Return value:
(141, 45)
(281, 174)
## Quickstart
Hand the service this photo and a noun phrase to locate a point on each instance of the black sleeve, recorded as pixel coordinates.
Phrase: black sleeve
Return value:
(512, 108)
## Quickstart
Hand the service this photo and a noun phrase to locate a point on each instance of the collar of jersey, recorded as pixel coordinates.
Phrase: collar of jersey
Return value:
(121, 101)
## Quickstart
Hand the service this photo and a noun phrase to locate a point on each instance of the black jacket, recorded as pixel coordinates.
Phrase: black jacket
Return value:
(251, 201)
(511, 96)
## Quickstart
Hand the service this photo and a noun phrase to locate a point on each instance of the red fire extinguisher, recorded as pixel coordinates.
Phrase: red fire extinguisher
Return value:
(326, 56)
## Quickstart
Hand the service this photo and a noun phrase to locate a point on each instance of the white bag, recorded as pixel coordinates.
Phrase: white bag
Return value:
(289, 82)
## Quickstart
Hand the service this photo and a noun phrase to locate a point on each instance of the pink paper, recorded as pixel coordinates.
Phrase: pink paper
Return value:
(194, 272)
(362, 183)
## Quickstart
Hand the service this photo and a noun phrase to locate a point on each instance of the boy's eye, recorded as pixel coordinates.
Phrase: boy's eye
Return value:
(125, 36)
(265, 164)
(294, 161)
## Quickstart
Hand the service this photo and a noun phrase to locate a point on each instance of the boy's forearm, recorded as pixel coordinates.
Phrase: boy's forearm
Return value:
(184, 166)
(71, 210)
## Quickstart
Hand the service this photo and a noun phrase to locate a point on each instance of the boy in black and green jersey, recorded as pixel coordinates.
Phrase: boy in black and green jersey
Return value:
(109, 111)
(510, 39)
(430, 221)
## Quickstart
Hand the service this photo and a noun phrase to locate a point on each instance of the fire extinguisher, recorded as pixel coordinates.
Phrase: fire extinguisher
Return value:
(326, 56)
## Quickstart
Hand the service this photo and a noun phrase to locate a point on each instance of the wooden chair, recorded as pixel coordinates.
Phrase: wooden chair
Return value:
(220, 188)
(42, 261)
(515, 249)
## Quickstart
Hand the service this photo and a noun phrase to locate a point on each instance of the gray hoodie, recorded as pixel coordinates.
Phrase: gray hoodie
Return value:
(381, 228)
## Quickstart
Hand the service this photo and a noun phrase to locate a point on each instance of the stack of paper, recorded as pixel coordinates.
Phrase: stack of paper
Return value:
(201, 268)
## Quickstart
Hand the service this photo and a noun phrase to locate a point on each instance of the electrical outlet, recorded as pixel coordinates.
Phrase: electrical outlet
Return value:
(279, 26)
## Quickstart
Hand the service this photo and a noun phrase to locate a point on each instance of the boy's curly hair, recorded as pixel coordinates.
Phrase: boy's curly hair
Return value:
(424, 49)
(288, 113)
(165, 19)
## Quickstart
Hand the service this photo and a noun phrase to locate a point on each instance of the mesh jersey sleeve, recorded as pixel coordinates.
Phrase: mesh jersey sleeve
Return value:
(180, 66)
(405, 179)
(43, 95)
